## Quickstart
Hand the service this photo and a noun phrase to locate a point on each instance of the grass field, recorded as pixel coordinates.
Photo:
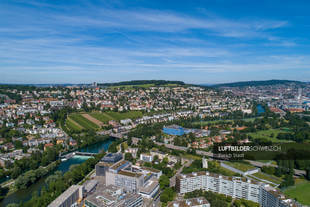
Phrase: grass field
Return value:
(226, 172)
(300, 191)
(107, 116)
(126, 115)
(190, 156)
(82, 121)
(100, 116)
(267, 134)
(70, 124)
(268, 177)
(240, 166)
(93, 120)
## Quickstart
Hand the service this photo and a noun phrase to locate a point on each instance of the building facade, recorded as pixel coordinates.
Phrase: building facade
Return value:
(192, 202)
(70, 198)
(236, 187)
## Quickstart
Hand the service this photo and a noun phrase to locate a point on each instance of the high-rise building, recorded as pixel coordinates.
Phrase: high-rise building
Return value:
(271, 197)
(204, 162)
(132, 179)
(69, 198)
(192, 202)
(106, 162)
(236, 187)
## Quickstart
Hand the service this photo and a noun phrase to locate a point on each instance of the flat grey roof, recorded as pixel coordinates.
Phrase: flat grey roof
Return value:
(60, 199)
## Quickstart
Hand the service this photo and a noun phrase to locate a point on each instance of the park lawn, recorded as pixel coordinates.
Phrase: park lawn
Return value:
(267, 135)
(240, 166)
(72, 126)
(300, 191)
(268, 177)
(78, 118)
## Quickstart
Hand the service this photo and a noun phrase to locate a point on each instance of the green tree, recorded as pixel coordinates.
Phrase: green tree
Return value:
(164, 181)
(128, 156)
(167, 195)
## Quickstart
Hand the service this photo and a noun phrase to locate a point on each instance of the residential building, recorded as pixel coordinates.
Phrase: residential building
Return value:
(192, 202)
(70, 198)
(236, 187)
(271, 197)
(232, 186)
(146, 157)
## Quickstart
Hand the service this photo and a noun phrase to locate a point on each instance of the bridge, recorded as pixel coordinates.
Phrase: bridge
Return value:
(71, 154)
(85, 153)
(114, 135)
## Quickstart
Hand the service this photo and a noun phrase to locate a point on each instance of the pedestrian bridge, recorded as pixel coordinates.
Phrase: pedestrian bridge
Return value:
(86, 153)
(71, 154)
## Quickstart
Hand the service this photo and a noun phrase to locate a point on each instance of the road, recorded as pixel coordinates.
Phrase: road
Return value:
(186, 164)
(210, 154)
(260, 165)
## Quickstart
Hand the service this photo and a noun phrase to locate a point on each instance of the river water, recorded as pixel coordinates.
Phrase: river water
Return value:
(25, 194)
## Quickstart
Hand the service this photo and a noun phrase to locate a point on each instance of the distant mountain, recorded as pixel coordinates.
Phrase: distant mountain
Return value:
(142, 82)
(259, 83)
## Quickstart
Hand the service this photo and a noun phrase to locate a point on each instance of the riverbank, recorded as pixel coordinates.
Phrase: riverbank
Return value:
(24, 195)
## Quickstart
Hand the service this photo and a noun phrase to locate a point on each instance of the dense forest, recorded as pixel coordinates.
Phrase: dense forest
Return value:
(141, 82)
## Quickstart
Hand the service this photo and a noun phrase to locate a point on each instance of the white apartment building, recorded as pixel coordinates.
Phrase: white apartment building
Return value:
(146, 157)
(236, 187)
(232, 186)
(192, 202)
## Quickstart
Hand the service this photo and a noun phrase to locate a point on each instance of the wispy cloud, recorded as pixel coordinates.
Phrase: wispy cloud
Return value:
(169, 22)
(45, 39)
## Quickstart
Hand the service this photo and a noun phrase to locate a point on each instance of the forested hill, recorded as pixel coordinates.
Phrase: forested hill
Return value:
(142, 82)
(259, 83)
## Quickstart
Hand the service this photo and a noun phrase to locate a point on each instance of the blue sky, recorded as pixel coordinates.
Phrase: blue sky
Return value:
(216, 41)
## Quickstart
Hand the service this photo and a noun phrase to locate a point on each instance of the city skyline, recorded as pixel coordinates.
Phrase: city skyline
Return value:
(195, 42)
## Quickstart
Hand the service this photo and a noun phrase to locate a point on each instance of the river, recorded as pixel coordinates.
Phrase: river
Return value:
(25, 194)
